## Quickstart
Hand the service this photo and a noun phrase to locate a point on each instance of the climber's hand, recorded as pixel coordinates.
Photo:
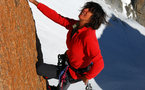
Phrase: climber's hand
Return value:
(34, 2)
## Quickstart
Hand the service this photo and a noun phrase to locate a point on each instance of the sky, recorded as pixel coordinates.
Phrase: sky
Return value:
(122, 45)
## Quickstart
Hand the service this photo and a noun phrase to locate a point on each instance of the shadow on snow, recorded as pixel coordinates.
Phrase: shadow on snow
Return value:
(123, 50)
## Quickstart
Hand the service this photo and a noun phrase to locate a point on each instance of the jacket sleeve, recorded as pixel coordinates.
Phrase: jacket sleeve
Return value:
(54, 16)
(93, 51)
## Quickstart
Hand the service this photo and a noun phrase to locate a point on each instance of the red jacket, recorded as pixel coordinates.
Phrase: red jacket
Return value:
(83, 47)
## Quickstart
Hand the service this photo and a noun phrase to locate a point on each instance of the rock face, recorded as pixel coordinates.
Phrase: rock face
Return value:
(115, 4)
(138, 10)
(139, 7)
(18, 51)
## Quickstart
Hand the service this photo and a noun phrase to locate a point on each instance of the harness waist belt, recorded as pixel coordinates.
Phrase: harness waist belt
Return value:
(81, 70)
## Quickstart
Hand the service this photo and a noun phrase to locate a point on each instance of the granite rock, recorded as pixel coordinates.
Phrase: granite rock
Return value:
(18, 51)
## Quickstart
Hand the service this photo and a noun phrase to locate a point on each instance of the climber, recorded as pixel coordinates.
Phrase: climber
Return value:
(83, 57)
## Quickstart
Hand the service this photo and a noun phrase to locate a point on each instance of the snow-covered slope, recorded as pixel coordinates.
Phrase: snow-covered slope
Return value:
(122, 45)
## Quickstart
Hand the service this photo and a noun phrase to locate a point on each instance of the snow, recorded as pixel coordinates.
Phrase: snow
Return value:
(126, 1)
(122, 45)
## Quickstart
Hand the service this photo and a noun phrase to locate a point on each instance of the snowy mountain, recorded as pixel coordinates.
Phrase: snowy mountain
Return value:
(122, 45)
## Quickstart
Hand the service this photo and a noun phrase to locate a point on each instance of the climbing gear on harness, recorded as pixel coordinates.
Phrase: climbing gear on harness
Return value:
(62, 77)
(62, 63)
(89, 87)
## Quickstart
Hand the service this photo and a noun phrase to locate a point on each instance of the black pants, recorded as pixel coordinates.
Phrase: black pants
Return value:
(52, 71)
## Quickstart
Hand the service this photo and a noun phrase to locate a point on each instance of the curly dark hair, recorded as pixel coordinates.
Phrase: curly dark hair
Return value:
(98, 17)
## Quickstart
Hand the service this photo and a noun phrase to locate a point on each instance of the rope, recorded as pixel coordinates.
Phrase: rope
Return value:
(62, 77)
